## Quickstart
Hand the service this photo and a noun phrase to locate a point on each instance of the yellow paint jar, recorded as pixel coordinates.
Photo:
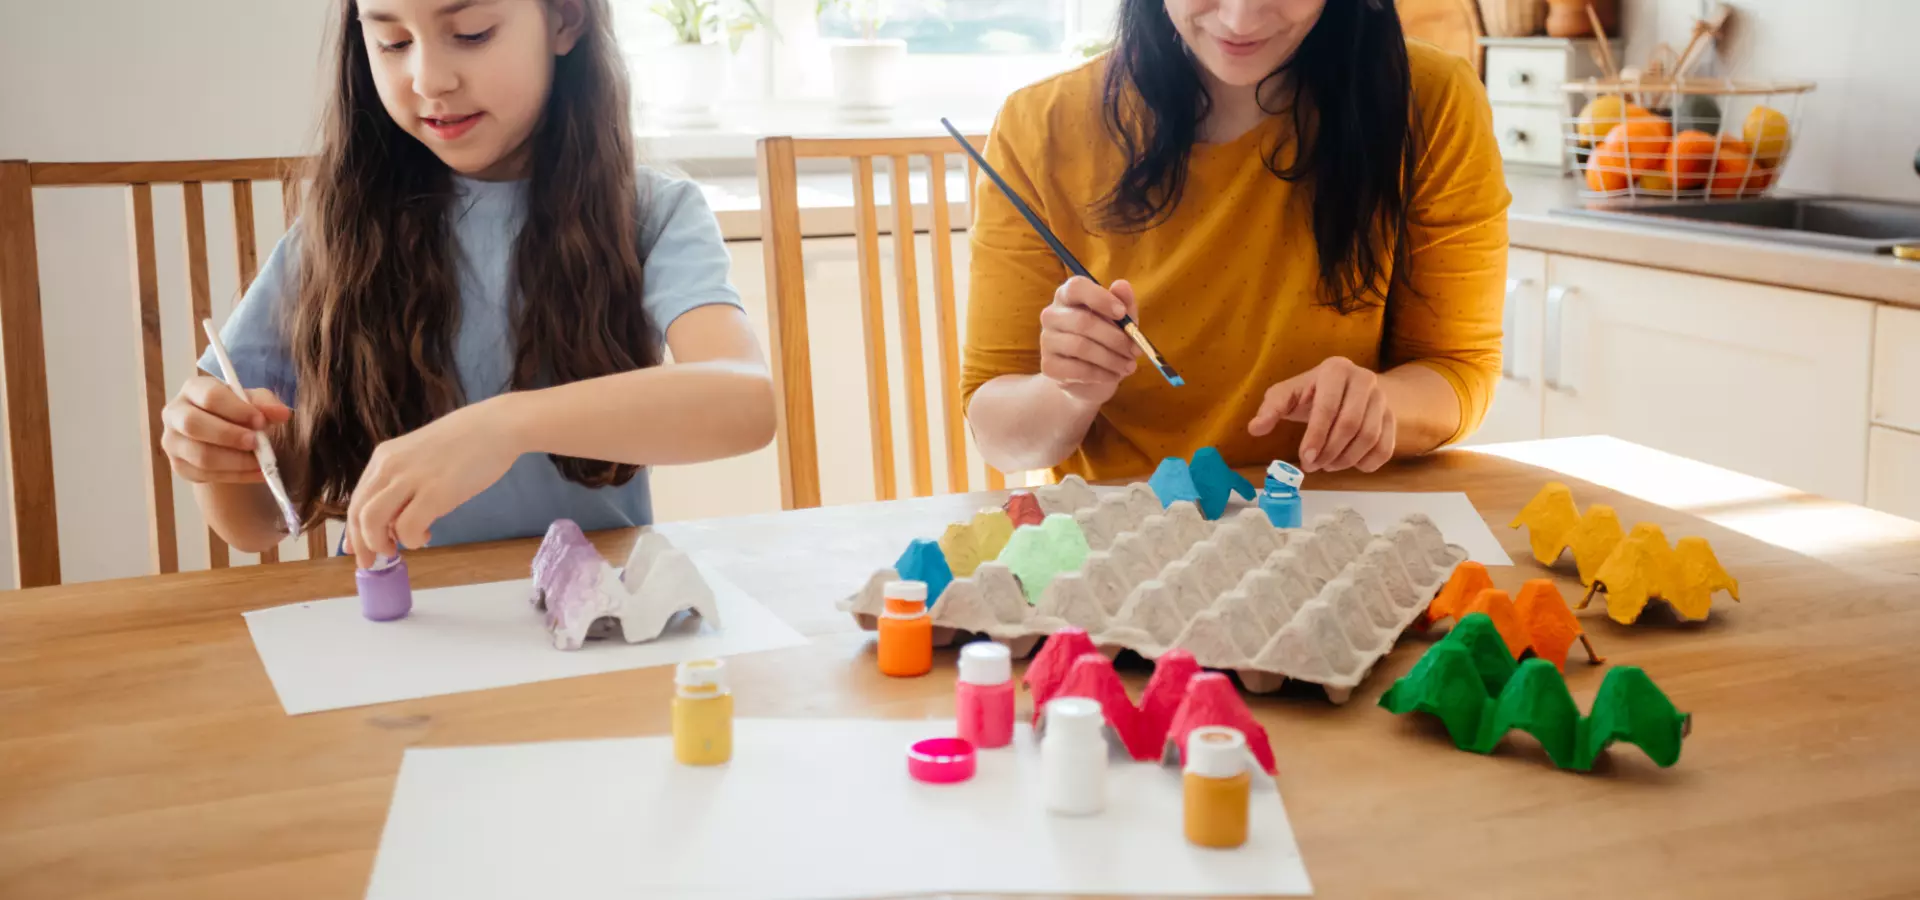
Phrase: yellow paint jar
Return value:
(702, 713)
(1217, 787)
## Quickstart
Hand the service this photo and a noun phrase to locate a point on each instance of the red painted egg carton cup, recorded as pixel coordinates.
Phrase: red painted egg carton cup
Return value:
(1321, 604)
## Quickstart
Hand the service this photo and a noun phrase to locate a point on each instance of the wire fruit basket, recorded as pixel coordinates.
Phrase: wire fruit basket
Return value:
(1695, 139)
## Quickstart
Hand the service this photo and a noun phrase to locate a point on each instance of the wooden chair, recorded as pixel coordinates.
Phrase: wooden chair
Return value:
(798, 445)
(35, 531)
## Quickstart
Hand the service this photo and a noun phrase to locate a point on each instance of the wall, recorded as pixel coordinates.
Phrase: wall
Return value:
(1860, 128)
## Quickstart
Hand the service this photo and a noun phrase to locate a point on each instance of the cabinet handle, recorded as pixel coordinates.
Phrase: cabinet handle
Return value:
(1556, 306)
(1510, 330)
(1516, 136)
(1520, 78)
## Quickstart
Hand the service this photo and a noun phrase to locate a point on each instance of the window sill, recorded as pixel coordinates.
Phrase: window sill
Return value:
(739, 126)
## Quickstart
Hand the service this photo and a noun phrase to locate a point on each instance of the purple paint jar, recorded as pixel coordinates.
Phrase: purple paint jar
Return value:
(384, 591)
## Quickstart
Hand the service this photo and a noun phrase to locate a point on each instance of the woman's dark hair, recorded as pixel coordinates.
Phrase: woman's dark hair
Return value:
(1348, 90)
(372, 329)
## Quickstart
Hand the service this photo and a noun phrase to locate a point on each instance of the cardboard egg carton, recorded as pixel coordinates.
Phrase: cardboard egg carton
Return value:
(1320, 604)
(584, 598)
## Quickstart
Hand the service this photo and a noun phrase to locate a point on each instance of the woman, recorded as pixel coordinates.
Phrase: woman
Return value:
(1304, 211)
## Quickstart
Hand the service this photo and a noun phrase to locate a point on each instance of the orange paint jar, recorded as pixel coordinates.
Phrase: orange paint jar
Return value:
(1218, 787)
(906, 633)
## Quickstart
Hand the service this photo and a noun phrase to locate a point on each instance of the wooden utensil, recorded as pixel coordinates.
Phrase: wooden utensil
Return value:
(1600, 35)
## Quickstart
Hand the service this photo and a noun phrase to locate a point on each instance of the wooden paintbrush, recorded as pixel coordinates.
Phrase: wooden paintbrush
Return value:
(262, 448)
(1126, 323)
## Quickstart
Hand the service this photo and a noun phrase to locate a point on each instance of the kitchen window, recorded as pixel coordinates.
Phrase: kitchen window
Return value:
(963, 56)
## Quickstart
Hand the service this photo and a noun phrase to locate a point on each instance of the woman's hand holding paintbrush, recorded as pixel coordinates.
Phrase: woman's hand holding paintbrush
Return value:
(1082, 349)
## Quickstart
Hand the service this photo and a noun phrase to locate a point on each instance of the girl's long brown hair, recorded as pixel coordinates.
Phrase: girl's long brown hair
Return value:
(372, 330)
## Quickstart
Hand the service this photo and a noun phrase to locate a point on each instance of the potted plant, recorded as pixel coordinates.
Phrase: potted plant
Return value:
(689, 76)
(865, 69)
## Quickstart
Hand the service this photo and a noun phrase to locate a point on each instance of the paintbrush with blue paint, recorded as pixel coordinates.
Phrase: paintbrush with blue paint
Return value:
(1126, 323)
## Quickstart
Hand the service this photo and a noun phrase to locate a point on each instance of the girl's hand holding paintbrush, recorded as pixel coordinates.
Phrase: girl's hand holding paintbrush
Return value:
(1081, 347)
(209, 431)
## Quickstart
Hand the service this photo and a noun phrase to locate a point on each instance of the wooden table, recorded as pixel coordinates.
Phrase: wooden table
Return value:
(143, 753)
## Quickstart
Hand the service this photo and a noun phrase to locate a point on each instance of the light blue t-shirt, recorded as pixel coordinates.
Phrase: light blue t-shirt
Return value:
(686, 266)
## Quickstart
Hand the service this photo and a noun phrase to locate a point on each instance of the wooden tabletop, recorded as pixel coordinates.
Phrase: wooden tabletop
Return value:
(143, 753)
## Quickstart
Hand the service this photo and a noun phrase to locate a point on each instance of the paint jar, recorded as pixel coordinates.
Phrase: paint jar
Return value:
(1217, 787)
(385, 592)
(983, 698)
(702, 713)
(1073, 756)
(906, 633)
(1280, 498)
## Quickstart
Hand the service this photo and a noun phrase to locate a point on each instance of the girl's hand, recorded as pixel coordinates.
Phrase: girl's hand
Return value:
(413, 480)
(1080, 347)
(209, 431)
(1349, 424)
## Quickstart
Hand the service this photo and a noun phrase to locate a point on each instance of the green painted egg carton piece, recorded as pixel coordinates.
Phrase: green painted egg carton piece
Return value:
(1470, 682)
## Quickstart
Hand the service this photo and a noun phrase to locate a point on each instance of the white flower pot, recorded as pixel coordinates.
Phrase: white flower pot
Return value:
(866, 78)
(686, 82)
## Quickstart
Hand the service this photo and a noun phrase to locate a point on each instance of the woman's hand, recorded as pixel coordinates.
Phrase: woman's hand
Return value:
(1081, 349)
(209, 431)
(413, 480)
(1349, 424)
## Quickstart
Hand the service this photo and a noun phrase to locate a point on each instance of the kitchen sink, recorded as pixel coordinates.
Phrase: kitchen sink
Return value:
(1841, 223)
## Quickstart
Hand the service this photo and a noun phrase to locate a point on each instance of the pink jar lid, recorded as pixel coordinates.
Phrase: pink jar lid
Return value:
(942, 760)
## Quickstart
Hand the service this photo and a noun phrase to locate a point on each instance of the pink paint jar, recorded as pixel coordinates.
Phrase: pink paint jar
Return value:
(984, 696)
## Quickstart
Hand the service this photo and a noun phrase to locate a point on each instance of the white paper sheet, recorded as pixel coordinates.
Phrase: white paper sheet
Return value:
(326, 655)
(806, 809)
(1452, 512)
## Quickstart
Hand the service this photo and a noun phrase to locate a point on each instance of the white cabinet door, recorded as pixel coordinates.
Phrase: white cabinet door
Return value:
(1761, 380)
(1893, 473)
(1515, 413)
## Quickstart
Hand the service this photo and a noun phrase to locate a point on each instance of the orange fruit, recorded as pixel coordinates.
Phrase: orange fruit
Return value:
(1637, 146)
(1657, 183)
(1690, 159)
(1735, 174)
(1606, 172)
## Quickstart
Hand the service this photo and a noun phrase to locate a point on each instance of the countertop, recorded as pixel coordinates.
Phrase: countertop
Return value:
(1532, 225)
(826, 201)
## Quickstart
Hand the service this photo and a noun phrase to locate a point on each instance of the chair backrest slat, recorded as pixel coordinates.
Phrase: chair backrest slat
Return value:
(36, 530)
(164, 550)
(247, 259)
(193, 224)
(866, 228)
(796, 447)
(290, 212)
(946, 325)
(913, 356)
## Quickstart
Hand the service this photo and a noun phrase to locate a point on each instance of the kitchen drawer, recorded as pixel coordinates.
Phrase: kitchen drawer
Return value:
(1526, 75)
(1529, 134)
(1893, 472)
(1896, 368)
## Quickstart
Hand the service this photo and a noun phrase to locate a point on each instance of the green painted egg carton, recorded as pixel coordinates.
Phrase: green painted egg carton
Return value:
(1470, 681)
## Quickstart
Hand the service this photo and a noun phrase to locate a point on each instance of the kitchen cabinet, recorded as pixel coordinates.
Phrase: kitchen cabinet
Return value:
(1893, 472)
(1896, 369)
(1516, 412)
(1762, 380)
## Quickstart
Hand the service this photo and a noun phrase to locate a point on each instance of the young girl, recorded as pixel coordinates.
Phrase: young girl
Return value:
(466, 324)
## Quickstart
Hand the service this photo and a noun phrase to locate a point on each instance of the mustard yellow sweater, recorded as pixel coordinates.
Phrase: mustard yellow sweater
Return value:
(1227, 285)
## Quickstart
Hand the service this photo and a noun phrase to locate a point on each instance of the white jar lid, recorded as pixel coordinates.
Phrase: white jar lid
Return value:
(906, 590)
(1077, 717)
(1216, 751)
(986, 662)
(701, 673)
(1285, 473)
